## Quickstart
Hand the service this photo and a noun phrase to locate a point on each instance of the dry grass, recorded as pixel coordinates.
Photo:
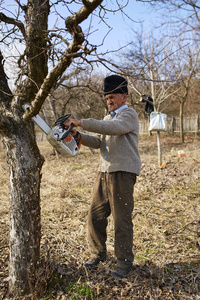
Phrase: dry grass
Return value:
(166, 227)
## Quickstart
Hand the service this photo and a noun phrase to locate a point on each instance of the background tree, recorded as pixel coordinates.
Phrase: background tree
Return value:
(184, 22)
(188, 67)
(184, 16)
(151, 62)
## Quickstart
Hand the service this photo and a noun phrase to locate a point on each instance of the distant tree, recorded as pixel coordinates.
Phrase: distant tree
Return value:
(194, 99)
(184, 16)
(188, 67)
(150, 66)
(184, 23)
(81, 95)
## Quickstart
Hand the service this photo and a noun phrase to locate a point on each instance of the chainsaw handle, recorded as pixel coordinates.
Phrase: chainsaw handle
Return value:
(67, 132)
(61, 120)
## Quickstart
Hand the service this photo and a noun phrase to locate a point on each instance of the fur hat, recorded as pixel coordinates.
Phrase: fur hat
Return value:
(115, 84)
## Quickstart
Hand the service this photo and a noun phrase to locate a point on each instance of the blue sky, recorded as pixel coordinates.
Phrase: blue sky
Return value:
(120, 25)
(121, 31)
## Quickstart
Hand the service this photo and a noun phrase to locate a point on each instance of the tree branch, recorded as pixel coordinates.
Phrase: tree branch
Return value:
(71, 52)
(12, 21)
(51, 78)
(74, 20)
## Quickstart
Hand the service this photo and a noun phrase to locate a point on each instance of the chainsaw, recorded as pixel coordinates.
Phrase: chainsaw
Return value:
(58, 136)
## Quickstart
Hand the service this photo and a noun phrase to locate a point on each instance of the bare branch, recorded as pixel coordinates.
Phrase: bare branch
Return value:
(12, 21)
(51, 78)
(74, 20)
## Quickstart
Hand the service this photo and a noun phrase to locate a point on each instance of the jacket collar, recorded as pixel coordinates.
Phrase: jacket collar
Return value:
(120, 108)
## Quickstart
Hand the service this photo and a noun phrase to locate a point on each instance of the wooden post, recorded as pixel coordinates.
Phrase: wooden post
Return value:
(197, 125)
(173, 124)
(150, 133)
(159, 149)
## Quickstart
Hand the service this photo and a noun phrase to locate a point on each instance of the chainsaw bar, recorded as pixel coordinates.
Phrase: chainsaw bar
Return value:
(59, 137)
(39, 121)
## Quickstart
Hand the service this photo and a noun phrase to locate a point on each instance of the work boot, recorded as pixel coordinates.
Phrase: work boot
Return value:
(93, 262)
(120, 271)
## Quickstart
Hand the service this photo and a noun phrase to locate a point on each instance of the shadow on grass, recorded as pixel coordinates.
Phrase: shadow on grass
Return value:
(146, 281)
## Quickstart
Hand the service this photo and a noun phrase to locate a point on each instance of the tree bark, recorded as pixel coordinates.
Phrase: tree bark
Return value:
(24, 159)
(181, 122)
(25, 163)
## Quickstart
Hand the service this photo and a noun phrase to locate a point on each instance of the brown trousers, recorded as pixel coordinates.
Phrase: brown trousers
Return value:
(112, 194)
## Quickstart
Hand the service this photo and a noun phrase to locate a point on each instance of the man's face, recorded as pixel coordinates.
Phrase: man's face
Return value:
(115, 101)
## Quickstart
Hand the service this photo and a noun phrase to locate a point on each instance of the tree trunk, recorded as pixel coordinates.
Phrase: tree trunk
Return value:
(159, 149)
(181, 122)
(24, 159)
(25, 163)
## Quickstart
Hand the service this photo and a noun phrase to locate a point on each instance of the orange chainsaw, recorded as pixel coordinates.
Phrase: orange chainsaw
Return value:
(58, 136)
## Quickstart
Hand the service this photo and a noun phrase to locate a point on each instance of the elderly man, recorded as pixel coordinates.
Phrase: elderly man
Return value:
(117, 137)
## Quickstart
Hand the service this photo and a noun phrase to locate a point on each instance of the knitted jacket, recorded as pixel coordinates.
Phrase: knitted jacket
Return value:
(117, 139)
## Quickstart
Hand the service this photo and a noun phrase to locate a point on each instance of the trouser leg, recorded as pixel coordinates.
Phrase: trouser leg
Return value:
(121, 186)
(97, 217)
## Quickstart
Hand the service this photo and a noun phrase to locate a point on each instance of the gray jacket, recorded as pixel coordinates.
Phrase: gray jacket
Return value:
(117, 139)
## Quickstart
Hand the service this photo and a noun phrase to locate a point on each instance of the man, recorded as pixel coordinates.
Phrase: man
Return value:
(117, 138)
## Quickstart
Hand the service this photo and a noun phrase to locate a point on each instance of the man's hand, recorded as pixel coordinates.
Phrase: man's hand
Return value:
(73, 132)
(69, 121)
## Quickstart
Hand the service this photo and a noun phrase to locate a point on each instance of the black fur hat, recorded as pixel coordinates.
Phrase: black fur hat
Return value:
(115, 84)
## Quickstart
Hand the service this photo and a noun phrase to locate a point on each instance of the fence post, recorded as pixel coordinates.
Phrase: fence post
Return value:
(173, 125)
(197, 125)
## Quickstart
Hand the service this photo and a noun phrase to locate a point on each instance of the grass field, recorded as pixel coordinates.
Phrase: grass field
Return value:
(166, 227)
